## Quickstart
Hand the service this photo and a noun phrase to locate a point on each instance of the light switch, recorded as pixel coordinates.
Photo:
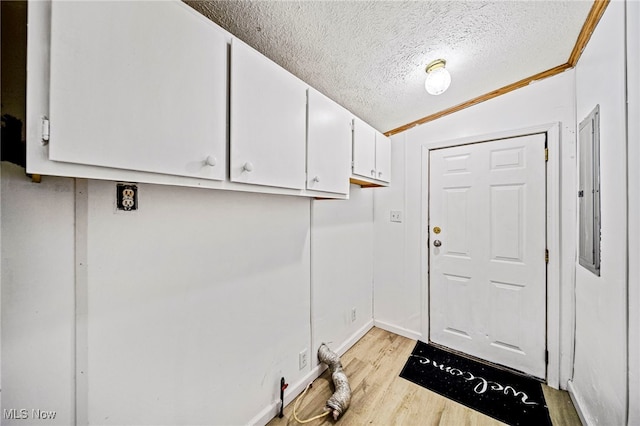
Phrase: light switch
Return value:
(396, 216)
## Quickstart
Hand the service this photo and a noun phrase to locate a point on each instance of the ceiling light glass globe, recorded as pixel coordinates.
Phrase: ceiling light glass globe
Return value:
(437, 81)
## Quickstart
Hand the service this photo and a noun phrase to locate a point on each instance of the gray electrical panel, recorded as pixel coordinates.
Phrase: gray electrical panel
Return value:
(589, 191)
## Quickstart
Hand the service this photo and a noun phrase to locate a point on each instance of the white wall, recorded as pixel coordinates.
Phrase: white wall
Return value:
(547, 101)
(633, 171)
(189, 310)
(197, 304)
(342, 269)
(600, 371)
(396, 303)
(37, 295)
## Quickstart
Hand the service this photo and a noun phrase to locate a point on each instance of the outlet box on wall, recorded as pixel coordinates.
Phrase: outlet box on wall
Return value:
(126, 197)
(396, 216)
(303, 358)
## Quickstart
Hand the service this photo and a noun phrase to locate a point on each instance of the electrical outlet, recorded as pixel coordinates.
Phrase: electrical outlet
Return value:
(353, 314)
(396, 216)
(303, 358)
(127, 196)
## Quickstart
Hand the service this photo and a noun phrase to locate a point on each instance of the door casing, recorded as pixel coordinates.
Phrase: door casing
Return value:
(552, 230)
(513, 172)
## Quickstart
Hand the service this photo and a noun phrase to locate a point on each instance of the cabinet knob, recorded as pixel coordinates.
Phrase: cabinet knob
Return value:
(211, 161)
(248, 167)
(316, 179)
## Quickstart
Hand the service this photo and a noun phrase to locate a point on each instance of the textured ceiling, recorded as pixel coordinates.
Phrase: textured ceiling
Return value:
(370, 56)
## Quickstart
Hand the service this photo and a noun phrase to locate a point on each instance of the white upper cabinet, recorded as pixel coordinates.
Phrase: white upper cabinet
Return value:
(328, 145)
(154, 92)
(268, 121)
(371, 154)
(364, 149)
(383, 157)
(139, 86)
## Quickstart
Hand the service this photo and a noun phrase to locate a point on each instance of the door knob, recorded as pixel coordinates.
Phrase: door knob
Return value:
(437, 243)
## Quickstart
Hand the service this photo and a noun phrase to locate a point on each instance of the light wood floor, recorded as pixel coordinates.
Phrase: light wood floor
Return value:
(381, 397)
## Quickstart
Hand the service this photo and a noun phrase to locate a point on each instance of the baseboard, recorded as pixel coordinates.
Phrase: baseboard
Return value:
(579, 405)
(293, 390)
(404, 332)
(296, 389)
(353, 339)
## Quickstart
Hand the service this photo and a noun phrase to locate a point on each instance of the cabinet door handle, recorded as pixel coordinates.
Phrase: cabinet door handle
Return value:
(373, 172)
(248, 167)
(316, 179)
(379, 174)
(211, 161)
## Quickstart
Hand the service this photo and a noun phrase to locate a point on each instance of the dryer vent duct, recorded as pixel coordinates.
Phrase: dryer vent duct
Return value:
(339, 401)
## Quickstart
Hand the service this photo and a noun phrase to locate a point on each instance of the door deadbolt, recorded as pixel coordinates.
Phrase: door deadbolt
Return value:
(436, 230)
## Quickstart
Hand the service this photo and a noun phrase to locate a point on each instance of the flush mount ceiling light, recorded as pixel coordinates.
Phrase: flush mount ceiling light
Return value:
(438, 78)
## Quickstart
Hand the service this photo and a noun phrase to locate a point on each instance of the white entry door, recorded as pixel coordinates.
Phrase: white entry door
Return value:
(487, 245)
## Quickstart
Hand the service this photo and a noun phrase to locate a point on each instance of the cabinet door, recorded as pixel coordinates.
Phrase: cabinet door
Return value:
(138, 86)
(268, 121)
(383, 157)
(364, 149)
(328, 145)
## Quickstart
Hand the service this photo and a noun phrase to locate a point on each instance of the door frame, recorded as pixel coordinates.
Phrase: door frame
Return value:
(553, 321)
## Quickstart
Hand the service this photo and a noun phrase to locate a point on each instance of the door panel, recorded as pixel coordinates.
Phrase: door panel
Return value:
(506, 225)
(328, 145)
(383, 157)
(267, 122)
(488, 274)
(127, 94)
(456, 206)
(364, 149)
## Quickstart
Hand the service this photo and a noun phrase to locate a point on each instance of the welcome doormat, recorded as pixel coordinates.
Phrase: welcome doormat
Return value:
(505, 396)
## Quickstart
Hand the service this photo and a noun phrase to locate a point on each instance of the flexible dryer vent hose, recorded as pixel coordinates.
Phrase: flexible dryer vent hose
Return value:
(339, 401)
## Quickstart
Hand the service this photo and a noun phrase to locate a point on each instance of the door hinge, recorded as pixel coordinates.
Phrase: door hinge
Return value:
(546, 255)
(546, 357)
(546, 154)
(45, 130)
